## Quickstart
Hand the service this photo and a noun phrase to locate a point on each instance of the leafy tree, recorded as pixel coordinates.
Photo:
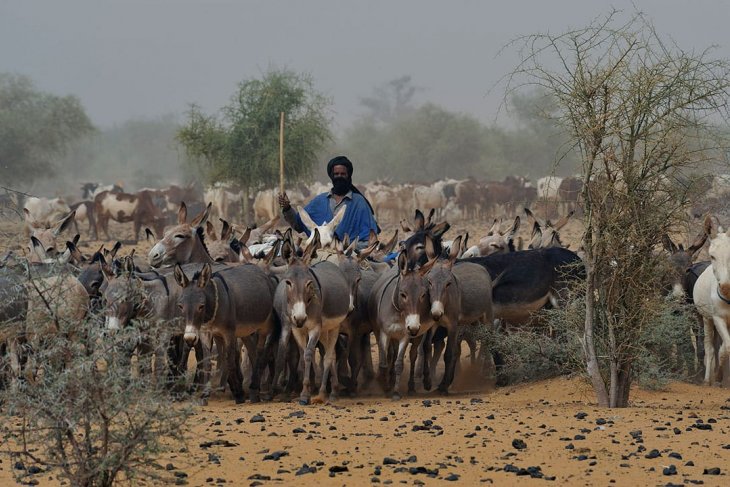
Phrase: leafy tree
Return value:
(642, 112)
(391, 100)
(242, 145)
(35, 129)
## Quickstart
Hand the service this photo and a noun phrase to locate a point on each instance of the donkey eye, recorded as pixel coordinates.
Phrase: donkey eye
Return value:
(180, 306)
(403, 296)
(180, 235)
(201, 307)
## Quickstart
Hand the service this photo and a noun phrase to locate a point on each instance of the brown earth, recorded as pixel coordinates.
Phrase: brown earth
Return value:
(428, 438)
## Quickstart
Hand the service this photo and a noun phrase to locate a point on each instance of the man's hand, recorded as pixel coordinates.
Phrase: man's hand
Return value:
(284, 202)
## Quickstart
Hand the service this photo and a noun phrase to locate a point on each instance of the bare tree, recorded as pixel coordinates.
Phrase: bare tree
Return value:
(643, 114)
(78, 408)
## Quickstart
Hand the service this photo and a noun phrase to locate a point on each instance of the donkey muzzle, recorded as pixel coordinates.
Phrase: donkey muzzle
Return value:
(190, 336)
(437, 310)
(413, 324)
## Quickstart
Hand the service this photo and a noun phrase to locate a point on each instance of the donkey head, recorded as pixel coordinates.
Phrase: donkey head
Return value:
(415, 245)
(122, 295)
(498, 241)
(411, 294)
(303, 293)
(681, 259)
(220, 248)
(198, 300)
(326, 230)
(441, 281)
(181, 241)
(46, 235)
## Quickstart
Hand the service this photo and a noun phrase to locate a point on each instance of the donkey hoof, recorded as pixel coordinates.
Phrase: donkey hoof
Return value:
(240, 400)
(254, 398)
(396, 396)
(427, 384)
(333, 397)
(320, 399)
(304, 402)
(443, 392)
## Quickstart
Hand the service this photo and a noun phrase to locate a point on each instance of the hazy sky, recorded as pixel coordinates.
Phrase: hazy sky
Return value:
(131, 59)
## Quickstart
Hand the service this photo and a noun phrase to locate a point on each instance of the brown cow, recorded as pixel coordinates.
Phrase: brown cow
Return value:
(138, 208)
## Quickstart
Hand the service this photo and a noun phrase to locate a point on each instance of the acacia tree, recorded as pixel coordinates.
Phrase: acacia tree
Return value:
(35, 128)
(242, 145)
(643, 114)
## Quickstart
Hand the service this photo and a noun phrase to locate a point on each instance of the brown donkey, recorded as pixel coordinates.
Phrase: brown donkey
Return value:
(183, 243)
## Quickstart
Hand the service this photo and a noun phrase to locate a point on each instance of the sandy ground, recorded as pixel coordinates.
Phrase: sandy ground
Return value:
(532, 433)
(473, 438)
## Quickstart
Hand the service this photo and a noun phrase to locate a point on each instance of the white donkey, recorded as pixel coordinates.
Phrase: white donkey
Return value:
(711, 296)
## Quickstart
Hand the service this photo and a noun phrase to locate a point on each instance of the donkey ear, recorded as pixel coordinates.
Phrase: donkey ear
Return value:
(246, 235)
(440, 229)
(201, 219)
(115, 249)
(390, 245)
(180, 277)
(495, 228)
(227, 231)
(204, 277)
(515, 226)
(37, 248)
(430, 216)
(351, 248)
(372, 236)
(430, 250)
(404, 226)
(536, 239)
(210, 231)
(306, 219)
(75, 253)
(365, 253)
(337, 218)
(64, 224)
(287, 250)
(455, 249)
(182, 214)
(402, 263)
(419, 220)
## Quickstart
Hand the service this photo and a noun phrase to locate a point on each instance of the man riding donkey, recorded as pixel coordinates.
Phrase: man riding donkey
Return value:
(359, 218)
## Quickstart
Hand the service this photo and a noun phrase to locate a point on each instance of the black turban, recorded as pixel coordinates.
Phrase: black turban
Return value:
(339, 161)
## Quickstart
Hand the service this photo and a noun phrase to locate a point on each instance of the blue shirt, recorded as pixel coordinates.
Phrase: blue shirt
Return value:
(357, 221)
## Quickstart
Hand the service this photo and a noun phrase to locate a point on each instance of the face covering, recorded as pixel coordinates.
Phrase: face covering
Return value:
(340, 186)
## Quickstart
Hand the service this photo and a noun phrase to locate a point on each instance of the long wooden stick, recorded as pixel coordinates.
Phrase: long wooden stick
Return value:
(281, 153)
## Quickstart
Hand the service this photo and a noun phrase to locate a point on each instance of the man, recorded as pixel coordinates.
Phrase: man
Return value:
(359, 218)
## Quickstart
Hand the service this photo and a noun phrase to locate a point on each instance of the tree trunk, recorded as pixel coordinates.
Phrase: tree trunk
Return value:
(589, 347)
(624, 384)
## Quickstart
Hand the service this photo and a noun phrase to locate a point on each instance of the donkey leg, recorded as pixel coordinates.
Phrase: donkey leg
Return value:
(413, 356)
(258, 370)
(438, 349)
(450, 358)
(398, 368)
(329, 370)
(382, 377)
(306, 346)
(367, 360)
(235, 378)
(710, 363)
(425, 367)
(354, 358)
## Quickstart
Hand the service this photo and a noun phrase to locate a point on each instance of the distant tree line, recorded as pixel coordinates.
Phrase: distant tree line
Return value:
(49, 144)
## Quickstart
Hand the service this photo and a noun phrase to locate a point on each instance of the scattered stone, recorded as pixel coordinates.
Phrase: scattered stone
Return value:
(452, 477)
(257, 419)
(670, 470)
(223, 443)
(276, 455)
(519, 444)
(305, 469)
(339, 469)
(653, 454)
(390, 461)
(581, 415)
(711, 471)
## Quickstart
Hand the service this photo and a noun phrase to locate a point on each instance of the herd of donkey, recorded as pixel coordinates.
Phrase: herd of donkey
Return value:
(264, 301)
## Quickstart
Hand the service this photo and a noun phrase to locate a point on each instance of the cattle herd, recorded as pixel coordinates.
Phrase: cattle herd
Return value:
(260, 303)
